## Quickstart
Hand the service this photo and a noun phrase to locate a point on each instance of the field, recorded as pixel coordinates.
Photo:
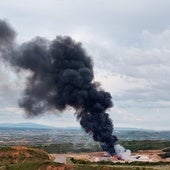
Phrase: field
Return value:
(24, 158)
(38, 146)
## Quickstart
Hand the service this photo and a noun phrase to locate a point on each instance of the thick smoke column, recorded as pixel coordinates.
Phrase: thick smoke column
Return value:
(61, 75)
(7, 36)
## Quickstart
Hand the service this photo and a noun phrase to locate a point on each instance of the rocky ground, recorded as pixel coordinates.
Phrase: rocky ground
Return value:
(145, 155)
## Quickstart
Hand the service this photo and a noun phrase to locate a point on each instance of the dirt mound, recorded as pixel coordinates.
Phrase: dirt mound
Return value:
(57, 167)
(17, 154)
(152, 154)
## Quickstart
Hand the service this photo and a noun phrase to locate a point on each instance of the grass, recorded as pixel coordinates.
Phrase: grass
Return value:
(15, 155)
(83, 162)
(103, 165)
(133, 145)
(32, 165)
(166, 153)
(44, 165)
(69, 147)
(166, 150)
(33, 159)
(88, 167)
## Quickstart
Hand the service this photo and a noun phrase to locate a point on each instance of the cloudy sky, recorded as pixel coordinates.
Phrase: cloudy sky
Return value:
(129, 42)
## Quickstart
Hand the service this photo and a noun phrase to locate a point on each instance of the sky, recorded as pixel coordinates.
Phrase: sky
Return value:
(128, 41)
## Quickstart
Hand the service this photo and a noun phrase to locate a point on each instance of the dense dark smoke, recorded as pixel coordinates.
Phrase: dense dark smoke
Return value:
(61, 76)
(7, 36)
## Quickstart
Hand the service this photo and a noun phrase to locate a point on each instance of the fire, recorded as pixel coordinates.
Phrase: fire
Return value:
(116, 158)
(125, 154)
(122, 153)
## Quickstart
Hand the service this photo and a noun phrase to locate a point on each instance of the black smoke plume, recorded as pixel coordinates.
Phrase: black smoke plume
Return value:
(61, 76)
(7, 36)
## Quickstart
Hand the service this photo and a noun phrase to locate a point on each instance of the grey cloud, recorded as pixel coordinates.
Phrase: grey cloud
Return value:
(145, 95)
(120, 20)
(151, 65)
(127, 38)
(10, 88)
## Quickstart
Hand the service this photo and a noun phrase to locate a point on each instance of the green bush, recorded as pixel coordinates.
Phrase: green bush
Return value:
(39, 155)
(165, 155)
(166, 150)
(135, 145)
(5, 149)
(32, 165)
(78, 161)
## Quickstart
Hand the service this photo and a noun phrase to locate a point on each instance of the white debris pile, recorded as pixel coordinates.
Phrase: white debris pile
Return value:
(123, 153)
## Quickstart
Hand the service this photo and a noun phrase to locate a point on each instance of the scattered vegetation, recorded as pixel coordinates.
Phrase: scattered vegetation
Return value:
(33, 165)
(15, 158)
(166, 153)
(19, 154)
(50, 165)
(84, 162)
(69, 147)
(166, 150)
(133, 145)
(24, 158)
(90, 167)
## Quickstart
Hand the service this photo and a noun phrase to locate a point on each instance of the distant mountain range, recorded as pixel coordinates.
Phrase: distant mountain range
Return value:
(130, 129)
(40, 126)
(25, 125)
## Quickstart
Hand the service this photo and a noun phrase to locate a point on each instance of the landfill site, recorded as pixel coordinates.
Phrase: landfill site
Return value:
(142, 156)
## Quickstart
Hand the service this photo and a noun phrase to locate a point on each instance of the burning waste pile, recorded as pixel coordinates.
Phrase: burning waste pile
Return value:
(125, 154)
(61, 75)
(122, 153)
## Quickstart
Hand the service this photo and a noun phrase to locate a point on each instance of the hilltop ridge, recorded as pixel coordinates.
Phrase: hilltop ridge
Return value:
(25, 125)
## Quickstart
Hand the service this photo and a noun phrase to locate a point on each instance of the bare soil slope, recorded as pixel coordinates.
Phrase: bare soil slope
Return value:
(17, 154)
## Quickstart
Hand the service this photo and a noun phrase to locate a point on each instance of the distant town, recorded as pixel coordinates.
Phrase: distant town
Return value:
(34, 134)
